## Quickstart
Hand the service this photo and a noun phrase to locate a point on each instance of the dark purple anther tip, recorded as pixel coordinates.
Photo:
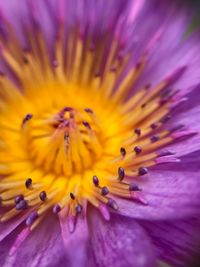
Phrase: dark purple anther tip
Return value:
(55, 63)
(86, 124)
(56, 209)
(138, 65)
(121, 173)
(95, 181)
(88, 110)
(28, 183)
(137, 131)
(22, 205)
(165, 118)
(134, 187)
(112, 204)
(18, 198)
(28, 117)
(142, 171)
(72, 196)
(91, 47)
(79, 208)
(143, 105)
(25, 60)
(67, 109)
(66, 136)
(123, 151)
(147, 86)
(71, 115)
(104, 191)
(97, 74)
(31, 218)
(43, 195)
(154, 138)
(154, 126)
(113, 69)
(137, 149)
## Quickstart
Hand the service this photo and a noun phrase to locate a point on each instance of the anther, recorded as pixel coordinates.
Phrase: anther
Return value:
(95, 181)
(71, 115)
(25, 60)
(86, 124)
(72, 196)
(134, 187)
(113, 68)
(22, 205)
(104, 191)
(112, 204)
(43, 195)
(31, 218)
(28, 183)
(79, 208)
(55, 63)
(97, 74)
(165, 118)
(147, 86)
(56, 209)
(123, 151)
(121, 173)
(67, 109)
(66, 137)
(88, 110)
(137, 131)
(138, 65)
(154, 138)
(154, 126)
(137, 149)
(27, 118)
(142, 171)
(143, 105)
(18, 198)
(91, 47)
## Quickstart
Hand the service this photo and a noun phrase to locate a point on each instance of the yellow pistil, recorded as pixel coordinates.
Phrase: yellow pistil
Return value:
(62, 125)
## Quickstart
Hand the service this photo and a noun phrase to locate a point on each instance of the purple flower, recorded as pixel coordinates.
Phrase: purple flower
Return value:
(99, 140)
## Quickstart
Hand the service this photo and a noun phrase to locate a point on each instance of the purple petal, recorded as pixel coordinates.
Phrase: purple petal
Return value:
(170, 52)
(115, 243)
(75, 239)
(7, 227)
(176, 242)
(188, 114)
(43, 247)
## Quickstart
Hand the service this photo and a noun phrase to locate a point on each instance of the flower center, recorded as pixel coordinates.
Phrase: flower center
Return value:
(73, 139)
(75, 134)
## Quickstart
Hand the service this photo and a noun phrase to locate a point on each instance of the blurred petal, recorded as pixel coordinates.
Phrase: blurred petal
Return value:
(187, 114)
(120, 243)
(7, 227)
(171, 22)
(43, 247)
(176, 242)
(75, 241)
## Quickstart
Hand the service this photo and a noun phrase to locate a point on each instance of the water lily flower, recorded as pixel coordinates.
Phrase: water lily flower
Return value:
(99, 139)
